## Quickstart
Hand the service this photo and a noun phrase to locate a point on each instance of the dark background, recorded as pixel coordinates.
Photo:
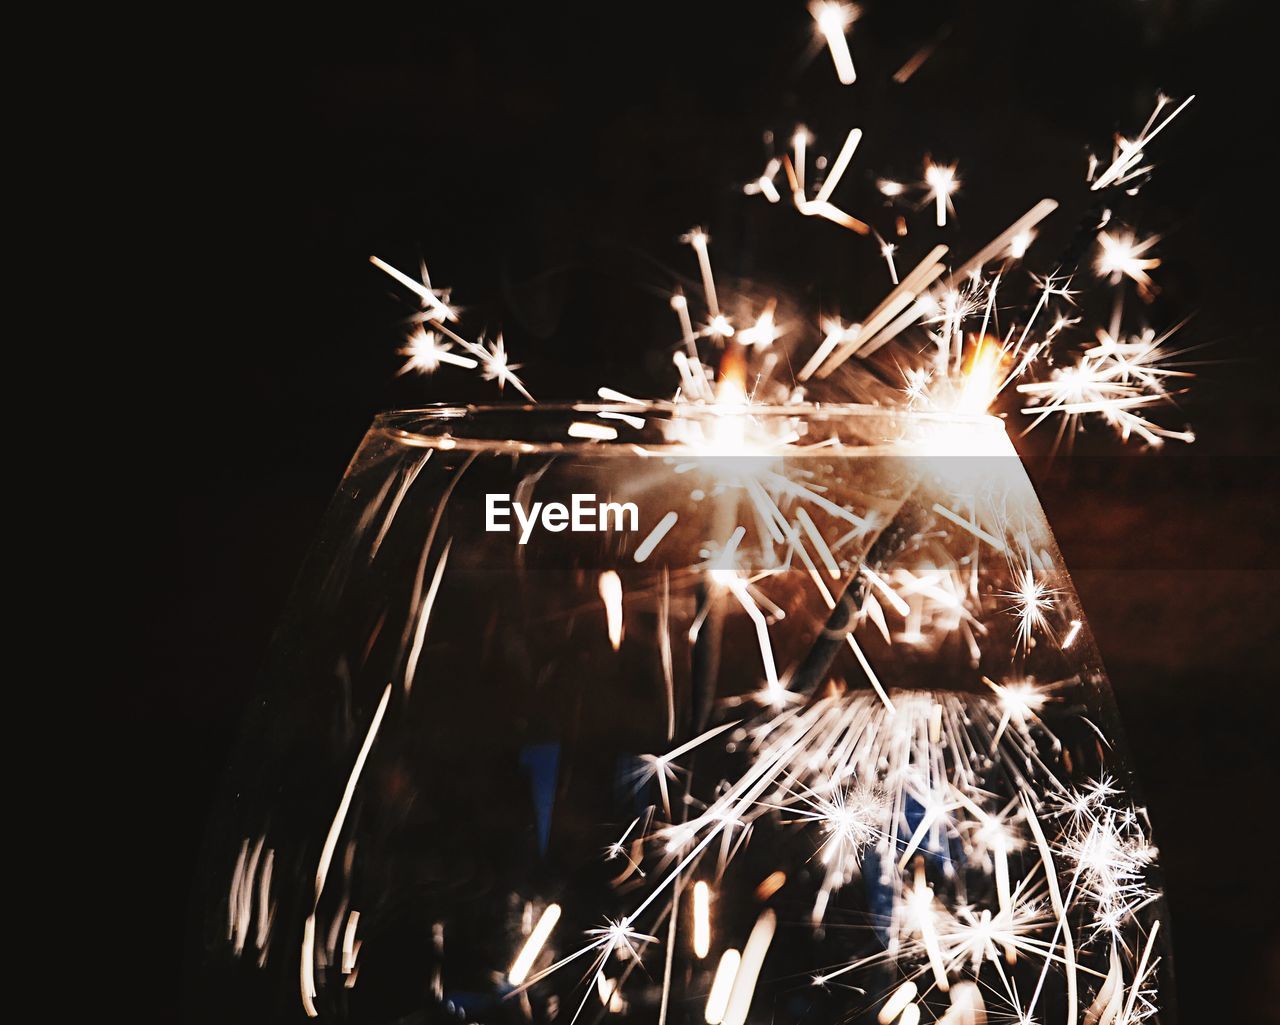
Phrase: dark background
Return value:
(545, 159)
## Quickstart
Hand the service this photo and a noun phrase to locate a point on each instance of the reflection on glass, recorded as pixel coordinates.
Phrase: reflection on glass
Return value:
(748, 715)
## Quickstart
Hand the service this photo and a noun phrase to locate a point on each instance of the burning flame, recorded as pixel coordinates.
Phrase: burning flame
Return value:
(982, 377)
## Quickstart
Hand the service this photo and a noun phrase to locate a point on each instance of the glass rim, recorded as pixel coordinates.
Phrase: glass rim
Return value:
(422, 420)
(662, 426)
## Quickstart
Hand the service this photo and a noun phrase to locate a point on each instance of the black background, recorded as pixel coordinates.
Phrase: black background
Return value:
(545, 159)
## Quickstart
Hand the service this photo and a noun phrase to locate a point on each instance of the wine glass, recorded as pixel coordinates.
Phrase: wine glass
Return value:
(683, 714)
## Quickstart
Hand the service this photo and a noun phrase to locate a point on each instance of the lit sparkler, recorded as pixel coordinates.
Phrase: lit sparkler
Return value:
(981, 867)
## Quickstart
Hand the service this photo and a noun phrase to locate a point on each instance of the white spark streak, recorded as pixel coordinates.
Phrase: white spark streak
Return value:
(887, 249)
(349, 945)
(920, 912)
(1031, 599)
(1128, 154)
(967, 1007)
(799, 142)
(753, 955)
(719, 327)
(764, 331)
(836, 333)
(424, 617)
(699, 239)
(1059, 910)
(1110, 996)
(891, 596)
(764, 184)
(266, 910)
(626, 418)
(237, 881)
(495, 366)
(721, 987)
(972, 528)
(738, 588)
(832, 19)
(692, 376)
(1121, 255)
(942, 182)
(838, 168)
(533, 945)
(701, 919)
(1140, 973)
(241, 902)
(993, 249)
(593, 432)
(655, 536)
(664, 651)
(613, 395)
(306, 970)
(850, 818)
(426, 352)
(410, 475)
(681, 306)
(898, 1000)
(611, 595)
(427, 295)
(921, 276)
(819, 545)
(881, 693)
(670, 958)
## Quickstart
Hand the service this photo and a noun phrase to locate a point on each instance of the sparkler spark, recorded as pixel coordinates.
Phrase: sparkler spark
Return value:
(1110, 854)
(655, 536)
(839, 167)
(592, 431)
(699, 240)
(744, 980)
(981, 867)
(306, 978)
(897, 1002)
(831, 21)
(426, 352)
(1121, 255)
(765, 183)
(941, 181)
(495, 366)
(1112, 380)
(431, 300)
(1030, 600)
(887, 249)
(763, 332)
(721, 987)
(611, 595)
(701, 919)
(524, 961)
(850, 819)
(1129, 154)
